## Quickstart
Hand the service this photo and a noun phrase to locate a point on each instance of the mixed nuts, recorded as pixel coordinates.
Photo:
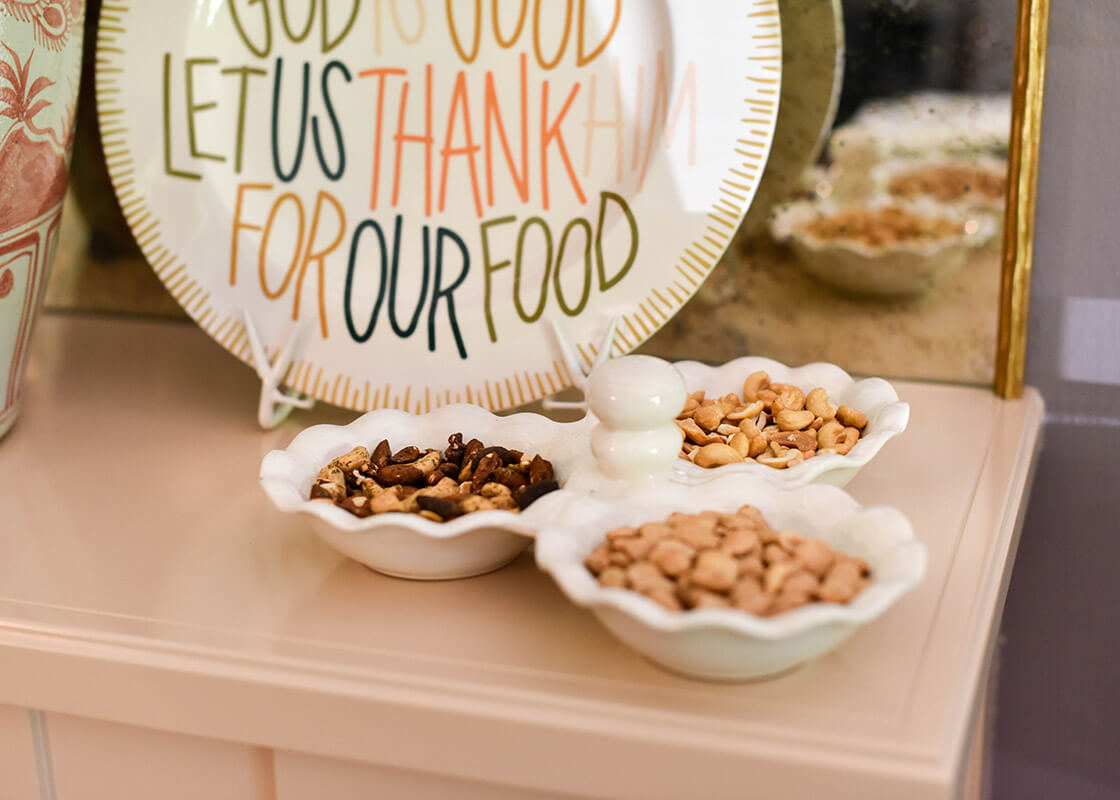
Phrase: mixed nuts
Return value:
(774, 424)
(464, 478)
(714, 560)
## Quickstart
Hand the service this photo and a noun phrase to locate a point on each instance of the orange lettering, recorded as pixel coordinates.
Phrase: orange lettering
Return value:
(493, 114)
(380, 74)
(238, 225)
(319, 257)
(550, 132)
(459, 98)
(400, 137)
(263, 261)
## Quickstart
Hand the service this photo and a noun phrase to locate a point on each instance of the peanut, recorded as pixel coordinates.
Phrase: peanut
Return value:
(740, 542)
(747, 595)
(751, 566)
(673, 558)
(621, 533)
(614, 577)
(816, 556)
(654, 531)
(714, 570)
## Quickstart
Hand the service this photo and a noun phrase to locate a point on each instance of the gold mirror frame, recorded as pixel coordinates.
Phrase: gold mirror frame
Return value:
(1022, 195)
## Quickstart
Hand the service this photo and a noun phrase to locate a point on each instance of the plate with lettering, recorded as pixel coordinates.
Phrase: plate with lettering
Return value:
(420, 190)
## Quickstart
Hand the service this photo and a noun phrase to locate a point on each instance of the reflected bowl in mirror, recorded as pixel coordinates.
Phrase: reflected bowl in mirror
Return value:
(726, 644)
(885, 247)
(407, 545)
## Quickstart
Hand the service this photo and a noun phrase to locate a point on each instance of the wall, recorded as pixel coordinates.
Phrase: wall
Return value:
(1057, 724)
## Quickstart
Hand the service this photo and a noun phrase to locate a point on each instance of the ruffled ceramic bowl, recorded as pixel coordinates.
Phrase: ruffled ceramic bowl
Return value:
(727, 644)
(909, 267)
(408, 545)
(887, 416)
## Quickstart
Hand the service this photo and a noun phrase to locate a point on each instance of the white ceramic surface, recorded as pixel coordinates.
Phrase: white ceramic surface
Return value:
(636, 400)
(723, 644)
(887, 417)
(425, 188)
(904, 268)
(407, 545)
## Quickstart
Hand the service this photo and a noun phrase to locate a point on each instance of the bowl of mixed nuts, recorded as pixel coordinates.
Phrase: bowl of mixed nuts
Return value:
(732, 580)
(789, 425)
(450, 494)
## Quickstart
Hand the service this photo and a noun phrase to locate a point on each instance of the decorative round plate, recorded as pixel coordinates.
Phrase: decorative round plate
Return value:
(423, 188)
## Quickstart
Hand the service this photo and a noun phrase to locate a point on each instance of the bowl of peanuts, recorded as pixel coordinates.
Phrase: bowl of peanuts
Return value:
(732, 580)
(451, 494)
(887, 246)
(789, 425)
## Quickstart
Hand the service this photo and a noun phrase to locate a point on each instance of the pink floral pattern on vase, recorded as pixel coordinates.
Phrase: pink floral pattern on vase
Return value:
(40, 63)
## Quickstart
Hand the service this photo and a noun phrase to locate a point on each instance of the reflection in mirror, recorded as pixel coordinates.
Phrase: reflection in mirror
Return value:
(874, 241)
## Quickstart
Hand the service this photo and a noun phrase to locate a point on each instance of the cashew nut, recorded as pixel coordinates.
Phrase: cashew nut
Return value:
(830, 435)
(729, 402)
(745, 412)
(717, 455)
(709, 416)
(790, 458)
(741, 444)
(696, 434)
(755, 382)
(748, 427)
(852, 418)
(789, 398)
(795, 420)
(817, 402)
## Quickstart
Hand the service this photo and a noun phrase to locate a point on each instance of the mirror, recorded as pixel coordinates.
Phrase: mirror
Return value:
(875, 241)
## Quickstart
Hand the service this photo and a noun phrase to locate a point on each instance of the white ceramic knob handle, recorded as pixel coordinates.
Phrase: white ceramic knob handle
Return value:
(636, 399)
